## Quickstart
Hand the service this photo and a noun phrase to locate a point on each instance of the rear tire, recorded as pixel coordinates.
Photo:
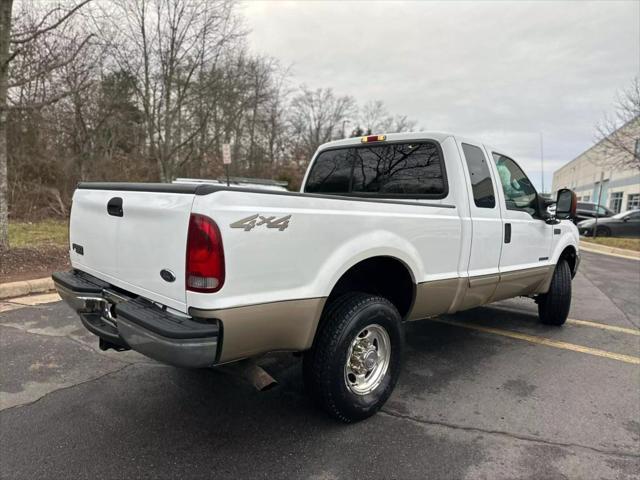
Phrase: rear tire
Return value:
(553, 306)
(356, 357)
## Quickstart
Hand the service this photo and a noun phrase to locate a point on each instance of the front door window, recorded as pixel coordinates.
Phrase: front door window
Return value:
(519, 193)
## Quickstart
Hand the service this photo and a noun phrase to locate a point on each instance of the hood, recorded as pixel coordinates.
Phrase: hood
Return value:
(586, 223)
(592, 221)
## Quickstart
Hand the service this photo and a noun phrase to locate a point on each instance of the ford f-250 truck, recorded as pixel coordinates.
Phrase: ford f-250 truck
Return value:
(386, 229)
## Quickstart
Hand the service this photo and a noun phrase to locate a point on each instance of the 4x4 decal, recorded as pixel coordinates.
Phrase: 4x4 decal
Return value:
(258, 220)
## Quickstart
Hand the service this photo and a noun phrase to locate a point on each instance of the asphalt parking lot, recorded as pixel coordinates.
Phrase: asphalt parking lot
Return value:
(488, 393)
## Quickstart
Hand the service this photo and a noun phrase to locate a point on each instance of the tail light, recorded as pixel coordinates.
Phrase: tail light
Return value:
(205, 255)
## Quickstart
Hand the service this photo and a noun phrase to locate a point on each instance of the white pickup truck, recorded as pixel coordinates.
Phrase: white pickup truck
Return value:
(385, 229)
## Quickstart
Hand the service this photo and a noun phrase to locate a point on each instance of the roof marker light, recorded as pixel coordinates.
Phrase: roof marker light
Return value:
(373, 138)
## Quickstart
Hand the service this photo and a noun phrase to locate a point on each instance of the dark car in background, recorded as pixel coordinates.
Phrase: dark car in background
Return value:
(587, 210)
(625, 224)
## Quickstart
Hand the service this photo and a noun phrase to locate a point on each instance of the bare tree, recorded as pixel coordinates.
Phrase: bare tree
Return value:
(169, 46)
(374, 118)
(274, 123)
(316, 117)
(153, 94)
(15, 46)
(5, 29)
(402, 123)
(618, 134)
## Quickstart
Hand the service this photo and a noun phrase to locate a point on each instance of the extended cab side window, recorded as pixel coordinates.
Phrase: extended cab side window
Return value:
(481, 183)
(519, 193)
(399, 169)
(331, 172)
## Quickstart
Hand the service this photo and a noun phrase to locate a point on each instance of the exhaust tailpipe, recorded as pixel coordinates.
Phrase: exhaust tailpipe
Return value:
(253, 373)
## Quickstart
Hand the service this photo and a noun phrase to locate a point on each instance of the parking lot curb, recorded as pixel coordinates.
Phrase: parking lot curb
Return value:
(25, 287)
(613, 251)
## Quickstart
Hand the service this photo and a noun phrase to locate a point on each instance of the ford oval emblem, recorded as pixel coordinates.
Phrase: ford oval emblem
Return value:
(167, 275)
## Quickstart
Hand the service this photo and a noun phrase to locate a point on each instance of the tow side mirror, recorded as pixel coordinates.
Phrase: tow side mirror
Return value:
(566, 204)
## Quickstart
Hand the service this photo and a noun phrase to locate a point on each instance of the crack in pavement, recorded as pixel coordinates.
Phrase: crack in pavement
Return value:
(75, 340)
(526, 438)
(69, 387)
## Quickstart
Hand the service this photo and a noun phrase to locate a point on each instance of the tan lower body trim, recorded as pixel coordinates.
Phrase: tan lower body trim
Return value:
(435, 298)
(520, 282)
(257, 329)
(291, 325)
(479, 291)
(546, 283)
(456, 294)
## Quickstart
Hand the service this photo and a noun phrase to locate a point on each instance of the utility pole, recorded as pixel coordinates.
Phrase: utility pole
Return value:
(595, 225)
(344, 122)
(541, 164)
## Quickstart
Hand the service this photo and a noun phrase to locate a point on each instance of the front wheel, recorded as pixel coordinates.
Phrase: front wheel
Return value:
(553, 306)
(355, 360)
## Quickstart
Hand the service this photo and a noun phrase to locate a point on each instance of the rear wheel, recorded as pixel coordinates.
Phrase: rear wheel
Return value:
(355, 360)
(553, 306)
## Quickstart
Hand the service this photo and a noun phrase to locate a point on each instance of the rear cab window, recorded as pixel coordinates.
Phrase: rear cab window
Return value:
(386, 170)
(331, 172)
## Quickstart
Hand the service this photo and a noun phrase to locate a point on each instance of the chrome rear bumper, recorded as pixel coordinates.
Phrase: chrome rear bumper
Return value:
(127, 322)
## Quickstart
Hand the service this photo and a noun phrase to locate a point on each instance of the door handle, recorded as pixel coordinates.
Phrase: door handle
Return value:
(507, 233)
(114, 207)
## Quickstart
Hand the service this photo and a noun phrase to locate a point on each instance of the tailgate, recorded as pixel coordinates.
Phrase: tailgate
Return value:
(129, 246)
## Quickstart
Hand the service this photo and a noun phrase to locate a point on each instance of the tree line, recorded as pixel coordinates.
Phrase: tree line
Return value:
(149, 90)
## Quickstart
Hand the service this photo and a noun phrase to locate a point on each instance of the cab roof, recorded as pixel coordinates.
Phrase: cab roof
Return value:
(409, 136)
(390, 137)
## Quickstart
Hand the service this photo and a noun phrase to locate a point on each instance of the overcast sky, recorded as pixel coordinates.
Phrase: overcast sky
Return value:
(501, 71)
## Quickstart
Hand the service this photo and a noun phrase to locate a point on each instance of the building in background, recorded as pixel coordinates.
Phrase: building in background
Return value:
(598, 167)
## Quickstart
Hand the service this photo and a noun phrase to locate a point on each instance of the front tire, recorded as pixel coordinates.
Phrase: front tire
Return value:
(553, 306)
(356, 357)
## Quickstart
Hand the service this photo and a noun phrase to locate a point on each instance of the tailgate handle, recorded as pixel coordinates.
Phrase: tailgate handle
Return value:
(114, 207)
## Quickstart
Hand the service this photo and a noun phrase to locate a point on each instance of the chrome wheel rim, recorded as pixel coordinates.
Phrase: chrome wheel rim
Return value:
(367, 359)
